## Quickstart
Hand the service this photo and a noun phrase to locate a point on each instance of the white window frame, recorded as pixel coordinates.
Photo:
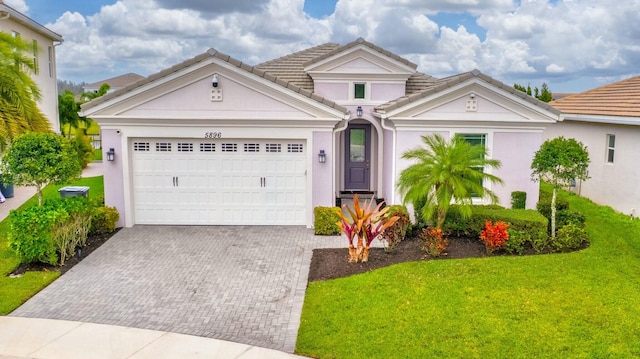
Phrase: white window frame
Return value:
(488, 144)
(610, 154)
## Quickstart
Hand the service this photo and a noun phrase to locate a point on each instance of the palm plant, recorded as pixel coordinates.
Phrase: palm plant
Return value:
(445, 173)
(19, 93)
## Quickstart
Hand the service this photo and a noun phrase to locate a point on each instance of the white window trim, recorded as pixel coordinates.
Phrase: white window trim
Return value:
(489, 147)
(608, 148)
(352, 91)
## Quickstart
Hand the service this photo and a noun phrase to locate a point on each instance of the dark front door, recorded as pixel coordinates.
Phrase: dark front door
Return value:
(357, 157)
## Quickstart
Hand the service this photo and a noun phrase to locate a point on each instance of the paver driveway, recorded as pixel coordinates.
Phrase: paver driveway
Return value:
(240, 283)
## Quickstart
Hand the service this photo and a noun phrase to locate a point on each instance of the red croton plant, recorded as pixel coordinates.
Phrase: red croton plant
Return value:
(494, 236)
(367, 222)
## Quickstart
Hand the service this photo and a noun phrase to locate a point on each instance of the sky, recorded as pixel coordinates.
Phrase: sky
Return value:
(572, 45)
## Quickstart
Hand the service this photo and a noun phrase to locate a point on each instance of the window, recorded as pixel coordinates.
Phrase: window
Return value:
(185, 147)
(358, 91)
(36, 67)
(141, 146)
(273, 147)
(15, 34)
(229, 147)
(476, 139)
(295, 148)
(207, 147)
(50, 61)
(611, 147)
(251, 147)
(163, 147)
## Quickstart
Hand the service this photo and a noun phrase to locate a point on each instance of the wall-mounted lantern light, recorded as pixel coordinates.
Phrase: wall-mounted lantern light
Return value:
(111, 155)
(322, 157)
(359, 111)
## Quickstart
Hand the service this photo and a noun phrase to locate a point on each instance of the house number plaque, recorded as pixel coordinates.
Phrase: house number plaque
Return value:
(213, 135)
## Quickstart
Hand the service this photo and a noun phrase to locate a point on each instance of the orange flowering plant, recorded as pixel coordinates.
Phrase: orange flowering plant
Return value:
(434, 242)
(494, 236)
(365, 222)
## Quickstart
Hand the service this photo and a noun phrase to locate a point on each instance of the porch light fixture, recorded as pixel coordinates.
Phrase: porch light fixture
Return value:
(359, 111)
(111, 155)
(322, 157)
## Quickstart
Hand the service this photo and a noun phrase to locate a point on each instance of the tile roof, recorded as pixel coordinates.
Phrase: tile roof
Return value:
(290, 85)
(116, 82)
(617, 99)
(447, 82)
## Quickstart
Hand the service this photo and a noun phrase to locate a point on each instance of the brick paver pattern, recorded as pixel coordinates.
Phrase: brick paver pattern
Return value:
(244, 284)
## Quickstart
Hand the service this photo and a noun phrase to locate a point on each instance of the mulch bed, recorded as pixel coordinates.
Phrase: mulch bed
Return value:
(93, 242)
(333, 263)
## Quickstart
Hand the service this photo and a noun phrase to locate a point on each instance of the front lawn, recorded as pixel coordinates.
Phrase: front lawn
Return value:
(15, 291)
(581, 305)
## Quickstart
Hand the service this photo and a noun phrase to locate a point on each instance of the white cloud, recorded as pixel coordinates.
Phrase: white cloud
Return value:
(539, 40)
(19, 5)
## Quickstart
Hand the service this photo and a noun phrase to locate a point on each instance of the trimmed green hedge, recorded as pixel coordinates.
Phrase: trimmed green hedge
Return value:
(325, 221)
(529, 221)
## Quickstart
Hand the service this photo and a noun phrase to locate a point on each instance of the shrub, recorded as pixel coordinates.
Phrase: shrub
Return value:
(104, 220)
(518, 200)
(569, 216)
(396, 233)
(544, 204)
(494, 236)
(51, 233)
(569, 237)
(434, 242)
(517, 241)
(83, 147)
(326, 221)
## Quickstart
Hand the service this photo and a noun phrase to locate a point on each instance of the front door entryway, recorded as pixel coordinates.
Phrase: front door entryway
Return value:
(357, 157)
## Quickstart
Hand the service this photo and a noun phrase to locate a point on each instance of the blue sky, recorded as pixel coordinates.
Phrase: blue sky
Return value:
(573, 45)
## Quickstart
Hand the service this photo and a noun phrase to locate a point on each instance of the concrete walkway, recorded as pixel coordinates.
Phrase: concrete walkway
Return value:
(58, 339)
(231, 292)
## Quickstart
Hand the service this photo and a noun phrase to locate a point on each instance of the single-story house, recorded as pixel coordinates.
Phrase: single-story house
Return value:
(216, 141)
(115, 83)
(607, 121)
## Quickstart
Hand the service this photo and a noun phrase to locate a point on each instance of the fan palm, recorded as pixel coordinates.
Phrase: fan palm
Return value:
(19, 93)
(445, 173)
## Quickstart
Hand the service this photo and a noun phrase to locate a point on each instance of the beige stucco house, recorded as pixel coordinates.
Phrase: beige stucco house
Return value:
(216, 141)
(115, 83)
(607, 121)
(44, 43)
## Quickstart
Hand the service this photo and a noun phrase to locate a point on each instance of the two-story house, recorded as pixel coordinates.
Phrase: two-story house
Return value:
(44, 42)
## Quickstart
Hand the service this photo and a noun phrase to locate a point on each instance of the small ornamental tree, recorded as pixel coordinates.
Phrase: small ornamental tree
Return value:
(37, 159)
(560, 161)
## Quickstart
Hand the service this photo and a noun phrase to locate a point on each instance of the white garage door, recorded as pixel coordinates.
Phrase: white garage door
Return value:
(190, 181)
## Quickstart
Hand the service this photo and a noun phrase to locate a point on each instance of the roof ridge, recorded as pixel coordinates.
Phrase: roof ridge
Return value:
(361, 41)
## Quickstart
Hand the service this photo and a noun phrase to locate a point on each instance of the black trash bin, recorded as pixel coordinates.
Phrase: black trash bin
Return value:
(74, 191)
(6, 189)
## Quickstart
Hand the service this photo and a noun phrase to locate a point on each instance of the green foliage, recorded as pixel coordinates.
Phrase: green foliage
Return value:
(543, 94)
(84, 148)
(518, 200)
(570, 237)
(396, 233)
(35, 159)
(325, 221)
(68, 109)
(544, 203)
(444, 172)
(517, 241)
(19, 93)
(525, 220)
(104, 220)
(50, 233)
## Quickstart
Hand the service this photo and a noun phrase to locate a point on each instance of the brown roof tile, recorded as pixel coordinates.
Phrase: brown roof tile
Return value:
(117, 82)
(617, 99)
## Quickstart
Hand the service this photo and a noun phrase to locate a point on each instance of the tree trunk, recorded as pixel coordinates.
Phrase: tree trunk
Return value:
(553, 214)
(353, 256)
(39, 196)
(365, 255)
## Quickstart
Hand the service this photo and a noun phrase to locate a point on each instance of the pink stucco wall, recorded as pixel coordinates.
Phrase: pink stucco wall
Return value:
(322, 181)
(516, 151)
(386, 92)
(113, 173)
(333, 91)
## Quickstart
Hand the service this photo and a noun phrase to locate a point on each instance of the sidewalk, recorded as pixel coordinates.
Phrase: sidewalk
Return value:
(59, 339)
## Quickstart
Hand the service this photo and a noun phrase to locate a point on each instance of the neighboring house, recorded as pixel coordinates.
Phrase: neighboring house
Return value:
(607, 121)
(115, 83)
(44, 42)
(216, 141)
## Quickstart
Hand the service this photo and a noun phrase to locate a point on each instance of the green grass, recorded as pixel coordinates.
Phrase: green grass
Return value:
(584, 304)
(15, 291)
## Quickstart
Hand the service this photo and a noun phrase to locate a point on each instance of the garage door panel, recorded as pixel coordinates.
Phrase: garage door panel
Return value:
(190, 181)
